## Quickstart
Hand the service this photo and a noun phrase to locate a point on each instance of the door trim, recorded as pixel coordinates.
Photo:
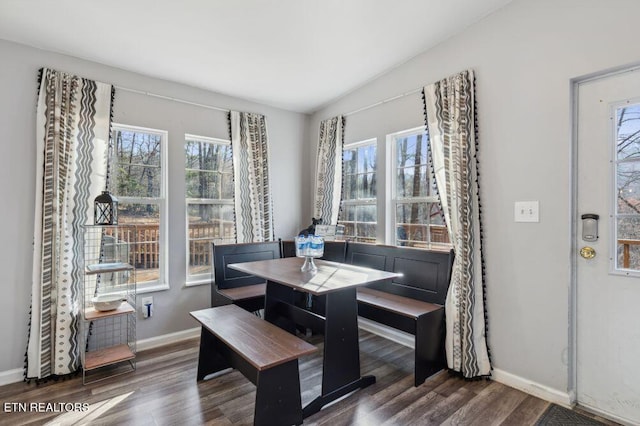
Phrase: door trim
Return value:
(572, 382)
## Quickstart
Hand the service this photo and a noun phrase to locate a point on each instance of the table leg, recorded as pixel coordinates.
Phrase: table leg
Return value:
(277, 293)
(341, 362)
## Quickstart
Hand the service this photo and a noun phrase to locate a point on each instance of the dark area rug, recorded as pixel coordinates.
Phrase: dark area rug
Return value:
(557, 415)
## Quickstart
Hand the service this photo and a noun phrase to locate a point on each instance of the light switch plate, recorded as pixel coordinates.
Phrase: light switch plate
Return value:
(527, 211)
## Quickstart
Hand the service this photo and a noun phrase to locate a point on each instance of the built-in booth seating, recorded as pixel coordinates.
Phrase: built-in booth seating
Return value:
(231, 286)
(232, 337)
(413, 302)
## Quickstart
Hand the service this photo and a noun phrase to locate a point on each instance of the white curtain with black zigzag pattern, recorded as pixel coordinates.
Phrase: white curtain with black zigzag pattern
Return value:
(329, 171)
(72, 139)
(250, 151)
(451, 120)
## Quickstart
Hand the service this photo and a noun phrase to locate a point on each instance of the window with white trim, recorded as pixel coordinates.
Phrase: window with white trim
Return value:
(358, 211)
(414, 212)
(209, 202)
(138, 180)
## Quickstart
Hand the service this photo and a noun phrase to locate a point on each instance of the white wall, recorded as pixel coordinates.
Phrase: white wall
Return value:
(18, 90)
(524, 56)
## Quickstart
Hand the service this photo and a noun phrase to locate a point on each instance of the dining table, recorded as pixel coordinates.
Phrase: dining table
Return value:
(335, 284)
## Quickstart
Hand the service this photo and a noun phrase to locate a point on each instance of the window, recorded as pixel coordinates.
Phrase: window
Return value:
(209, 202)
(359, 211)
(415, 216)
(402, 195)
(138, 181)
(627, 178)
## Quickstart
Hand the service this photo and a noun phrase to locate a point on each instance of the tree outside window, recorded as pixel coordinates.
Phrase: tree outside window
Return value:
(418, 220)
(137, 180)
(627, 177)
(358, 211)
(209, 202)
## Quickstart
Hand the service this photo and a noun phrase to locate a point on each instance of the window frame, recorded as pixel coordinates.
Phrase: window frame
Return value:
(393, 201)
(366, 201)
(162, 282)
(205, 278)
(614, 267)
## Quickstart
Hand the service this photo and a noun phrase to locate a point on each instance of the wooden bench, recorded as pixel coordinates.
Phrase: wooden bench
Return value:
(232, 337)
(231, 286)
(413, 303)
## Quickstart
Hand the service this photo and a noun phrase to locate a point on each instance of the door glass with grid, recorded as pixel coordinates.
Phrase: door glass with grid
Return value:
(627, 176)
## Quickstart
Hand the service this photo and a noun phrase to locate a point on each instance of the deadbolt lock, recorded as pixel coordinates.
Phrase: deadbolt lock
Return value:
(587, 252)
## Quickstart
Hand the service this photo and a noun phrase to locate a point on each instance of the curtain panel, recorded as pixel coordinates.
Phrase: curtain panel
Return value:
(329, 170)
(451, 121)
(250, 153)
(73, 121)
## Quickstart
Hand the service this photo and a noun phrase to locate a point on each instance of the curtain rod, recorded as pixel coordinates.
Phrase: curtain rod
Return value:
(384, 101)
(169, 98)
(216, 108)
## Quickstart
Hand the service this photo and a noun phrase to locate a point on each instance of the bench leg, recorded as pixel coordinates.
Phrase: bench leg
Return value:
(209, 359)
(278, 400)
(429, 351)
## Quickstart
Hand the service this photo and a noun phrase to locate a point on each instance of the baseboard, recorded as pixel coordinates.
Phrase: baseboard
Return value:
(167, 339)
(382, 330)
(17, 375)
(536, 389)
(11, 376)
(606, 415)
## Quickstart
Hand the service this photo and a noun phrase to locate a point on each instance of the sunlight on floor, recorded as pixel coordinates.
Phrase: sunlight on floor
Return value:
(86, 417)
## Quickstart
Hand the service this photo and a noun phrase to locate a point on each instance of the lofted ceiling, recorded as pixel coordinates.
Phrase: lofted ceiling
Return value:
(293, 54)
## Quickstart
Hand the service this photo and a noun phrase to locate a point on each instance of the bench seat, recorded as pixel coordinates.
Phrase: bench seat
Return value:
(231, 286)
(238, 294)
(232, 337)
(401, 305)
(412, 302)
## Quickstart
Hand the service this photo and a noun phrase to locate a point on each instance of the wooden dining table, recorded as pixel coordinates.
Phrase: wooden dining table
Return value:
(335, 284)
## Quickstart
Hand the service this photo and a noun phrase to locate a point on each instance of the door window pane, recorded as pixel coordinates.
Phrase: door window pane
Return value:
(627, 177)
(628, 132)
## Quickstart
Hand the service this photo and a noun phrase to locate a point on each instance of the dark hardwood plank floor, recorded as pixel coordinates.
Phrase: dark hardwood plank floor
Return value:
(163, 391)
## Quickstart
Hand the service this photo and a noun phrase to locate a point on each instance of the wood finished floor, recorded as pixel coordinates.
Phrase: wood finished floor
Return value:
(163, 391)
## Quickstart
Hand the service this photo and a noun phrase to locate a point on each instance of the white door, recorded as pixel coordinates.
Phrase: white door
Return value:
(608, 285)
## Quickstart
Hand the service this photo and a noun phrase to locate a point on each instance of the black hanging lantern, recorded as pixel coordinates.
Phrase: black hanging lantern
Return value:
(106, 209)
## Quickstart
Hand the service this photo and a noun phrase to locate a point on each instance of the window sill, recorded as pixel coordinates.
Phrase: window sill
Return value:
(196, 283)
(151, 288)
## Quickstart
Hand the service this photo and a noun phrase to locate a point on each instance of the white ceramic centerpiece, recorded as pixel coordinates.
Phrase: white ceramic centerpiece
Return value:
(309, 247)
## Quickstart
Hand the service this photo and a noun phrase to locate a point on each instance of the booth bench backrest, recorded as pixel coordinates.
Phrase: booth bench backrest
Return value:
(226, 254)
(425, 274)
(334, 251)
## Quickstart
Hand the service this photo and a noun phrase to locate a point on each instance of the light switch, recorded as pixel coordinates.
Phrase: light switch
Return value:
(527, 211)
